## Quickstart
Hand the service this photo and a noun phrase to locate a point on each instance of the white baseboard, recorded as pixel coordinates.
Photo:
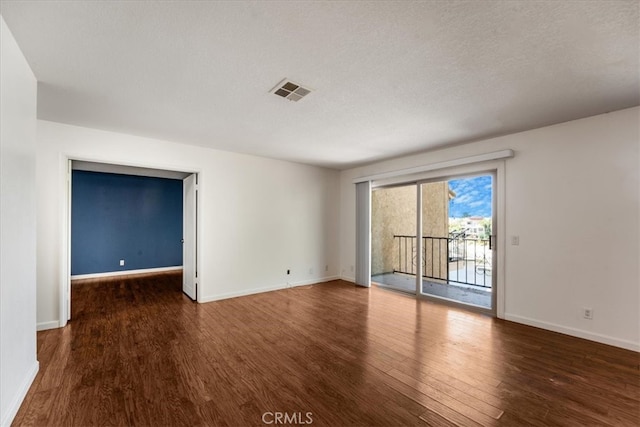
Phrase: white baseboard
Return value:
(124, 273)
(14, 406)
(43, 326)
(211, 298)
(314, 281)
(591, 336)
(353, 280)
(348, 279)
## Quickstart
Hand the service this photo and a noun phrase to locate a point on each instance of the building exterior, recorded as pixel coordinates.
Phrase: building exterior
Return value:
(393, 213)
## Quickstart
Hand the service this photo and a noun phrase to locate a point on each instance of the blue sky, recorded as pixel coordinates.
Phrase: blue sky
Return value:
(473, 197)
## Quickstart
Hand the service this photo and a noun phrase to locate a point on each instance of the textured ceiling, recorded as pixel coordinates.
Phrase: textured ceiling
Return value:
(388, 78)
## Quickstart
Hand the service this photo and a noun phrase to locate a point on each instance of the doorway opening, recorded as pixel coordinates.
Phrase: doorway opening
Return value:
(130, 221)
(454, 258)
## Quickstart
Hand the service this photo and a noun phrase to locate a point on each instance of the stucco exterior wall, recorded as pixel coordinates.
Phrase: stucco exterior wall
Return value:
(393, 212)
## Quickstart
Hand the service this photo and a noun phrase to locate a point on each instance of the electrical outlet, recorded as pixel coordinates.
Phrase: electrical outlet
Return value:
(121, 262)
(311, 271)
(352, 268)
(515, 240)
(326, 267)
(587, 313)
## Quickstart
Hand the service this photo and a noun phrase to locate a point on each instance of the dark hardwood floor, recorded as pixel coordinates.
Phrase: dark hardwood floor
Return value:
(138, 352)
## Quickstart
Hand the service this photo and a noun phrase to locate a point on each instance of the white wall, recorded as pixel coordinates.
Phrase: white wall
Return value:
(572, 195)
(258, 217)
(18, 365)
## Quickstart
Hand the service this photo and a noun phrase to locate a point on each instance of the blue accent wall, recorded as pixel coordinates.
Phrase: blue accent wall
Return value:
(114, 217)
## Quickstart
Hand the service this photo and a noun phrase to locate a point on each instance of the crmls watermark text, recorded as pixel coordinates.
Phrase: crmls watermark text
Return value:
(287, 418)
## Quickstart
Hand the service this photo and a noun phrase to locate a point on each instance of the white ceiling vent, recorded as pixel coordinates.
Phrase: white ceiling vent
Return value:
(291, 91)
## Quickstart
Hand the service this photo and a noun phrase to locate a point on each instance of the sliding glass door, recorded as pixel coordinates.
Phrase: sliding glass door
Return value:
(393, 237)
(436, 238)
(458, 239)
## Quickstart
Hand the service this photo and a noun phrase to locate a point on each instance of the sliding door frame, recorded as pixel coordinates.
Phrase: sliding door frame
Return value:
(496, 169)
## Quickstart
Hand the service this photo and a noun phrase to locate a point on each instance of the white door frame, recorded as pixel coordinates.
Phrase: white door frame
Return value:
(189, 236)
(65, 226)
(495, 168)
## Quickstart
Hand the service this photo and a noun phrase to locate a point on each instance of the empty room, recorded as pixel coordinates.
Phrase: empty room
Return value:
(372, 213)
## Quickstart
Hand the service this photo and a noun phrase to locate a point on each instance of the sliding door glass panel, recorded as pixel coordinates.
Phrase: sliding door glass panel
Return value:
(457, 223)
(435, 236)
(393, 237)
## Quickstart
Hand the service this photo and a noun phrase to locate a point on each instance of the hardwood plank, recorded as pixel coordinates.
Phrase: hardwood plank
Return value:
(435, 420)
(138, 352)
(431, 405)
(467, 408)
(460, 395)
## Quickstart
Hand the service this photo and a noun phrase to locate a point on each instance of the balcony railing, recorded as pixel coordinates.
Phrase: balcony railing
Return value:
(456, 259)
